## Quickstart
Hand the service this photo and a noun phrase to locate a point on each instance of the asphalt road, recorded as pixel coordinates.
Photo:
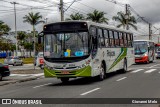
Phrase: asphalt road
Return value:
(141, 81)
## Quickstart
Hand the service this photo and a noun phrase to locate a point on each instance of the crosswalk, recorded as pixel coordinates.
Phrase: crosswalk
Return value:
(146, 71)
(26, 75)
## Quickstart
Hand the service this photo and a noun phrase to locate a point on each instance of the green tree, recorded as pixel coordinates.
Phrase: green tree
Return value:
(39, 47)
(97, 16)
(123, 21)
(76, 16)
(33, 19)
(4, 28)
(28, 47)
(21, 35)
(5, 47)
(13, 47)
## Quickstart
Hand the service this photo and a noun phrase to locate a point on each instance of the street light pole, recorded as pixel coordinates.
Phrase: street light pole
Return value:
(150, 32)
(61, 9)
(14, 3)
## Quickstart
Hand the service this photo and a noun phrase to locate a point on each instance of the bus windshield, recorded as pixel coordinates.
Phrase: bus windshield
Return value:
(140, 47)
(66, 45)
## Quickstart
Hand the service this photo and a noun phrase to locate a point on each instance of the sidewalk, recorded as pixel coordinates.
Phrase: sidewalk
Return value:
(22, 76)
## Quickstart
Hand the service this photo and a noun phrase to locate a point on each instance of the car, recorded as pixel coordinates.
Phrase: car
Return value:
(4, 71)
(13, 60)
(157, 54)
(39, 60)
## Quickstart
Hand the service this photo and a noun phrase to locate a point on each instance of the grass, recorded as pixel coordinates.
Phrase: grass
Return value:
(25, 60)
(28, 60)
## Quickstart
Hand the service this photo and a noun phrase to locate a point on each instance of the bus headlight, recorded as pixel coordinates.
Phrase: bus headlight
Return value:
(145, 54)
(156, 54)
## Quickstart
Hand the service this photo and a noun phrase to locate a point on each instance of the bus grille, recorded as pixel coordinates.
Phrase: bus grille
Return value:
(65, 68)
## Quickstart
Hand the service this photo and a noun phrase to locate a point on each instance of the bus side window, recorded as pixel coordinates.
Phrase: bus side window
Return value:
(106, 38)
(125, 39)
(111, 39)
(101, 38)
(121, 39)
(116, 38)
(129, 40)
(93, 33)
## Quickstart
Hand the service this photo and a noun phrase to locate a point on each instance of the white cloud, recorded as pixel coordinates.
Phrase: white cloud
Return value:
(146, 8)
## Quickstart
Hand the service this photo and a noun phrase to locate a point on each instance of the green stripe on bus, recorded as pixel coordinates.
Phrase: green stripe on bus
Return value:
(83, 72)
(120, 57)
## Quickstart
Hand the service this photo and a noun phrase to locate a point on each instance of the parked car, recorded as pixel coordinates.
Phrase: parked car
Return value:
(13, 60)
(39, 60)
(4, 71)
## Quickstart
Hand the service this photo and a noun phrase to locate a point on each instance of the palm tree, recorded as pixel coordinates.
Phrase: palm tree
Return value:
(4, 28)
(97, 16)
(123, 21)
(33, 19)
(76, 16)
(21, 35)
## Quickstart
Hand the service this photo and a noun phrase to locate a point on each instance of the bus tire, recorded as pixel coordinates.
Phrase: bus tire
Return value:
(64, 79)
(102, 74)
(125, 68)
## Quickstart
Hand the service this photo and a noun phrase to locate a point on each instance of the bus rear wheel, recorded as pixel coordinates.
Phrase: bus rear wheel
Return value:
(64, 79)
(125, 68)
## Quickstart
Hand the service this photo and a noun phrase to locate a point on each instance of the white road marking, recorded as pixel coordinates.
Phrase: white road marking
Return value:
(121, 79)
(42, 85)
(135, 71)
(154, 65)
(23, 75)
(149, 71)
(40, 74)
(90, 91)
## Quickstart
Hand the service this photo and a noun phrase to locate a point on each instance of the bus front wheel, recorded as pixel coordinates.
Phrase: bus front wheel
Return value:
(102, 74)
(64, 79)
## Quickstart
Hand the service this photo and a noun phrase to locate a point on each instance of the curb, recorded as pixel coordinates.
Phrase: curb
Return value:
(21, 80)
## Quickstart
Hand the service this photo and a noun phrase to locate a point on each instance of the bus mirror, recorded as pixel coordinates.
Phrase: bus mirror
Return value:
(39, 40)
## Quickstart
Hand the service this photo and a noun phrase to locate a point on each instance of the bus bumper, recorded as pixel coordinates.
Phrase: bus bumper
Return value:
(83, 72)
(141, 59)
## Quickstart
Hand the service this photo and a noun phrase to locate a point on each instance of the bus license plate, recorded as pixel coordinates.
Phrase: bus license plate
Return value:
(64, 72)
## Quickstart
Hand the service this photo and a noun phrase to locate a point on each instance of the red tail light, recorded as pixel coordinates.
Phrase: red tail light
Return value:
(6, 67)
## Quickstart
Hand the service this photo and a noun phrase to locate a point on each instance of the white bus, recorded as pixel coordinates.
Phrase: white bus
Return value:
(144, 51)
(85, 49)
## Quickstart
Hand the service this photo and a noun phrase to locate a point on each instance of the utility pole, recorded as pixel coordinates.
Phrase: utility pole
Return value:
(61, 9)
(150, 32)
(158, 35)
(127, 16)
(14, 3)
